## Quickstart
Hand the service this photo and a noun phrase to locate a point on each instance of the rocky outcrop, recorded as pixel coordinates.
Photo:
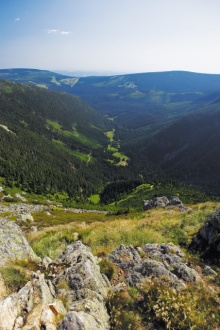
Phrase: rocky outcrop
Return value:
(75, 280)
(158, 260)
(156, 202)
(22, 208)
(86, 289)
(164, 202)
(20, 197)
(207, 240)
(33, 307)
(25, 218)
(13, 244)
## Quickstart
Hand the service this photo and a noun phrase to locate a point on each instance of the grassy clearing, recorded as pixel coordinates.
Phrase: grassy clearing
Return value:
(69, 81)
(104, 233)
(73, 134)
(110, 135)
(95, 199)
(54, 81)
(123, 159)
(120, 155)
(82, 156)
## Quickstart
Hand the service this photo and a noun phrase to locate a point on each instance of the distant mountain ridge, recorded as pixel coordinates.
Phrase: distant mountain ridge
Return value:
(167, 81)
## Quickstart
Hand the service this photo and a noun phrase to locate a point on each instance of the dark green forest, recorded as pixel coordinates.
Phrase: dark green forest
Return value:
(53, 142)
(116, 134)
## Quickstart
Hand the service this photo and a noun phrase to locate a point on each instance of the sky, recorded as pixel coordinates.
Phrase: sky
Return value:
(115, 36)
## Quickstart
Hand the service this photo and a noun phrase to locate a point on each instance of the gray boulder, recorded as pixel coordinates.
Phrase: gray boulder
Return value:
(87, 289)
(158, 260)
(125, 257)
(25, 217)
(33, 307)
(75, 280)
(164, 202)
(156, 202)
(13, 244)
(207, 240)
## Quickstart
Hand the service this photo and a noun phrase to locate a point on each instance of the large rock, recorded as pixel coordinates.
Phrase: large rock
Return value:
(164, 202)
(156, 202)
(75, 280)
(207, 240)
(13, 244)
(158, 260)
(33, 307)
(87, 289)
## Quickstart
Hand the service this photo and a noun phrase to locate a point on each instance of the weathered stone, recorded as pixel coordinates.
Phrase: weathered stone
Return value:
(31, 308)
(156, 202)
(148, 204)
(83, 271)
(87, 288)
(174, 200)
(22, 208)
(22, 198)
(46, 261)
(25, 217)
(158, 260)
(184, 272)
(164, 202)
(125, 257)
(207, 240)
(72, 321)
(13, 245)
(209, 271)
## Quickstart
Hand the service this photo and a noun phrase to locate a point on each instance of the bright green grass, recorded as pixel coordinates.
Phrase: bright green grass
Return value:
(116, 151)
(110, 135)
(82, 156)
(111, 148)
(120, 155)
(74, 135)
(95, 199)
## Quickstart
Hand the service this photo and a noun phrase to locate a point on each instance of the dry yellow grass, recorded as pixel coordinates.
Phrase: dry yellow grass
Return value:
(154, 226)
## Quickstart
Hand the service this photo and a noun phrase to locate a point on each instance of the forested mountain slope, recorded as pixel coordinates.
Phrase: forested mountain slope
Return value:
(168, 118)
(189, 149)
(51, 142)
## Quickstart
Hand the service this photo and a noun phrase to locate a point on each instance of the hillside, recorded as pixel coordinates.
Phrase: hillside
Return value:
(189, 149)
(52, 142)
(152, 126)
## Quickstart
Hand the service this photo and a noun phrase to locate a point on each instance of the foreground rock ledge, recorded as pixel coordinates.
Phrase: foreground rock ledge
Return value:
(76, 282)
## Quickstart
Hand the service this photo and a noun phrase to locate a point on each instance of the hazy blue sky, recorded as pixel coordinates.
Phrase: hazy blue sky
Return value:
(111, 35)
